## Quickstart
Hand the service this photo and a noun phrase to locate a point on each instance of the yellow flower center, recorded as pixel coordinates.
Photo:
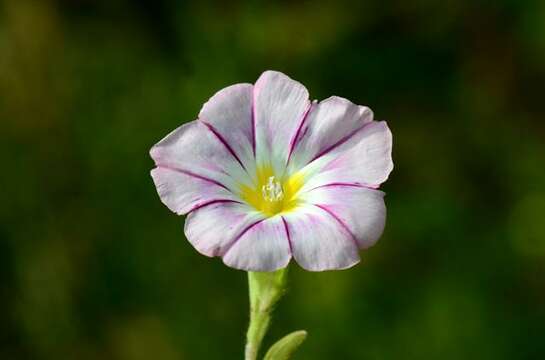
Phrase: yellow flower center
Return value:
(272, 195)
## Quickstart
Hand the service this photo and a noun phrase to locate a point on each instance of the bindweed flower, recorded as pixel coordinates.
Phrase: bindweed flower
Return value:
(266, 175)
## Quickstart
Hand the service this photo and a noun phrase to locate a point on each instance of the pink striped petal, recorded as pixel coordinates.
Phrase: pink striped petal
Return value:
(364, 158)
(361, 209)
(229, 114)
(328, 122)
(280, 105)
(319, 240)
(182, 191)
(212, 229)
(194, 148)
(262, 246)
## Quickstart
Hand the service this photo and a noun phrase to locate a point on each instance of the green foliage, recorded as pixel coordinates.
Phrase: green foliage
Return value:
(284, 348)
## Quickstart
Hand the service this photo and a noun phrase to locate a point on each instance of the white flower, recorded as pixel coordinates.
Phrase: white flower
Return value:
(266, 175)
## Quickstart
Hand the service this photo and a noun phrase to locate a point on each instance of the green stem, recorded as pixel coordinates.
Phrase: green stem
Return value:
(265, 288)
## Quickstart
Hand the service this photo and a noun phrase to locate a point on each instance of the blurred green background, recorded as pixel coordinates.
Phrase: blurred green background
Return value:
(93, 266)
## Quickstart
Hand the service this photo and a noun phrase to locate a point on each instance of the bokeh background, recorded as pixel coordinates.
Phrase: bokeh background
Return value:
(93, 266)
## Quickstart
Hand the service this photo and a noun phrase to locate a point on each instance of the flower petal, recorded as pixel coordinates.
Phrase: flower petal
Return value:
(211, 229)
(229, 114)
(262, 246)
(280, 105)
(194, 148)
(319, 240)
(361, 209)
(182, 191)
(328, 122)
(363, 158)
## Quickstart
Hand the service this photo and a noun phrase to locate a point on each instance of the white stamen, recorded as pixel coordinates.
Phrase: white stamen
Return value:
(272, 191)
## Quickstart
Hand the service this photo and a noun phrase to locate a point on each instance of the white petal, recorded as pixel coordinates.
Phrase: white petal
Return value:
(361, 209)
(328, 122)
(263, 246)
(229, 113)
(195, 148)
(280, 105)
(320, 241)
(181, 191)
(212, 229)
(365, 158)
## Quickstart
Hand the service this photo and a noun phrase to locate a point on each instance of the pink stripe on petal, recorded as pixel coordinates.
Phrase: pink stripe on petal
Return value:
(338, 143)
(288, 236)
(212, 228)
(296, 138)
(279, 105)
(212, 202)
(360, 209)
(261, 247)
(227, 118)
(341, 184)
(239, 236)
(194, 149)
(189, 173)
(364, 158)
(223, 141)
(342, 223)
(182, 192)
(329, 122)
(319, 241)
(252, 119)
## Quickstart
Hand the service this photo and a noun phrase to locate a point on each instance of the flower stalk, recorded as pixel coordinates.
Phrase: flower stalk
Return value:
(265, 288)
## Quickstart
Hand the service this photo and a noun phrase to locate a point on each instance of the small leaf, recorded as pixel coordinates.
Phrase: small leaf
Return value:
(284, 348)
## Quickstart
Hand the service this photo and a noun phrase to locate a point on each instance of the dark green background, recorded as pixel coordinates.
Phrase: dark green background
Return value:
(93, 266)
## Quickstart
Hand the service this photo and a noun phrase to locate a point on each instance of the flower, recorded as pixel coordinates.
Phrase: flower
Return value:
(265, 175)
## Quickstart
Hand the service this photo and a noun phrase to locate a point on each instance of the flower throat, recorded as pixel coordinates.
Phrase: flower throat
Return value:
(272, 195)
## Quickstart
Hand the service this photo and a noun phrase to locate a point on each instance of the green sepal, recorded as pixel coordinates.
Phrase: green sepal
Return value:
(266, 288)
